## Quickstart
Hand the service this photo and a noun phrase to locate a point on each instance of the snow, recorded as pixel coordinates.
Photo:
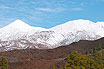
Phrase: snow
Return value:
(67, 33)
(17, 29)
(76, 30)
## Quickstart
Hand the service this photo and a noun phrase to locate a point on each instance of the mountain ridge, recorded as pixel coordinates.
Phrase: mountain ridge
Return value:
(19, 35)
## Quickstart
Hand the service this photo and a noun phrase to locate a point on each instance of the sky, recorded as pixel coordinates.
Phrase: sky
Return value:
(49, 13)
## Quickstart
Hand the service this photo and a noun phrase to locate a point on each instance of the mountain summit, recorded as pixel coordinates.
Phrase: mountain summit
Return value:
(19, 24)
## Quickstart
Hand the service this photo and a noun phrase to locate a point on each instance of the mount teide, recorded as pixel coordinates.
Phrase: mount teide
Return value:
(19, 35)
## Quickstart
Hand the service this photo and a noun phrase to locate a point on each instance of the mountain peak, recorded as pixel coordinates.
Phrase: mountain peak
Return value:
(18, 22)
(17, 25)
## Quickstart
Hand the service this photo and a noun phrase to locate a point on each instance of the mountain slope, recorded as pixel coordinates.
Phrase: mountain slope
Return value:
(76, 30)
(43, 58)
(19, 35)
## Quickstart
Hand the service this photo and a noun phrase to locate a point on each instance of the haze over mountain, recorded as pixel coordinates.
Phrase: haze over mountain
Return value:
(19, 35)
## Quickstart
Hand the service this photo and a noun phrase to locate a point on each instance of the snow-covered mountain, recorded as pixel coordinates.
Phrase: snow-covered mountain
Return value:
(76, 30)
(19, 35)
(17, 29)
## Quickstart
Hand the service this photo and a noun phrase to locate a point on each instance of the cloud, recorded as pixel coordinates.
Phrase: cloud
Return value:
(82, 4)
(73, 3)
(46, 9)
(100, 0)
(50, 9)
(77, 9)
(4, 7)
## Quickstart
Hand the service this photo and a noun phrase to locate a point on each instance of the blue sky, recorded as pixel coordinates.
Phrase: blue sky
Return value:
(49, 13)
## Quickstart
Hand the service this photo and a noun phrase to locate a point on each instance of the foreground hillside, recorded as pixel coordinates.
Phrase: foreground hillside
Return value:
(39, 58)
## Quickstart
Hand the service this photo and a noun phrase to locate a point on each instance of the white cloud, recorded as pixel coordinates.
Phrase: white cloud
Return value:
(50, 9)
(4, 7)
(46, 9)
(100, 0)
(77, 9)
(72, 2)
(82, 4)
